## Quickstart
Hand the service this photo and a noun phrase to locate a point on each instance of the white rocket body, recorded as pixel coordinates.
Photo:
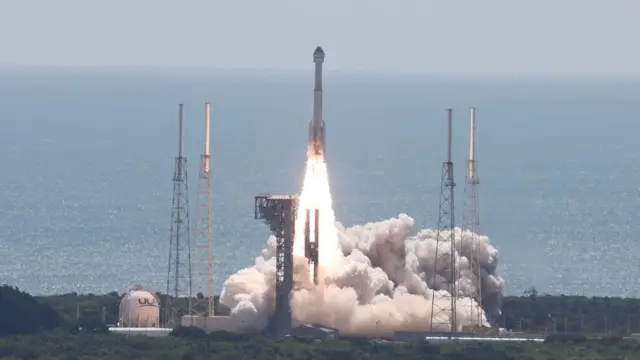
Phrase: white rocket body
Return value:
(317, 127)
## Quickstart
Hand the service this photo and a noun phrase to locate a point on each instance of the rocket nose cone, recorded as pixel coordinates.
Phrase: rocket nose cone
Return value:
(318, 54)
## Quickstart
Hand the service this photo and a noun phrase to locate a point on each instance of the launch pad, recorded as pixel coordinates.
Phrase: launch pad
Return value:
(282, 212)
(278, 211)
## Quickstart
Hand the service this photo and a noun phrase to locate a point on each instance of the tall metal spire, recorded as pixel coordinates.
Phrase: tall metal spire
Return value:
(203, 249)
(471, 219)
(179, 268)
(443, 304)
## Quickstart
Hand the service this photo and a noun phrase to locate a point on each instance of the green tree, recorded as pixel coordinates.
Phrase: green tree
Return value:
(20, 313)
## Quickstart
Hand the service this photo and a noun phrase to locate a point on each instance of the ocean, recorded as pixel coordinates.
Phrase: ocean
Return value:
(88, 159)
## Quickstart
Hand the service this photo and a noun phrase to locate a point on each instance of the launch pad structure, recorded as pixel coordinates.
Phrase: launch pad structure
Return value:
(203, 247)
(444, 315)
(179, 267)
(188, 263)
(471, 218)
(279, 212)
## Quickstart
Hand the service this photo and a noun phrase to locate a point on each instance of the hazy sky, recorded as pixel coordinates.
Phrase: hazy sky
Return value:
(474, 36)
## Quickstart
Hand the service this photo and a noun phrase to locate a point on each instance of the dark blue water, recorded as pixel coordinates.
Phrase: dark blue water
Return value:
(85, 186)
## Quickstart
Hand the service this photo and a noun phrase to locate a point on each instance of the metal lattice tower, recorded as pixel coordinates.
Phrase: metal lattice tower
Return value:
(443, 307)
(471, 219)
(179, 269)
(279, 212)
(203, 247)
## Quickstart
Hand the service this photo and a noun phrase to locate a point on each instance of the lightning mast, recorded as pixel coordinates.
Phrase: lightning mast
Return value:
(471, 218)
(443, 304)
(179, 269)
(203, 249)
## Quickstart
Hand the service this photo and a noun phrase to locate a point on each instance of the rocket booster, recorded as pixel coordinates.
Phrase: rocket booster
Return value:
(316, 127)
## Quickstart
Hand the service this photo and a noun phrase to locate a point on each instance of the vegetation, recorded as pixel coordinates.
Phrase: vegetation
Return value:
(531, 313)
(86, 345)
(92, 308)
(22, 314)
(595, 316)
(71, 326)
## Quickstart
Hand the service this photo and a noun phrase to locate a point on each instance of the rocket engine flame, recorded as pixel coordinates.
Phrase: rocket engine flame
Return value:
(316, 194)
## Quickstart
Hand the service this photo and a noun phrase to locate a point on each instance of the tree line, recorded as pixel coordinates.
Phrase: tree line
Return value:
(592, 316)
(72, 326)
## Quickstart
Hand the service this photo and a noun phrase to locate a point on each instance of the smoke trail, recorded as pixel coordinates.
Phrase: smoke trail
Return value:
(380, 281)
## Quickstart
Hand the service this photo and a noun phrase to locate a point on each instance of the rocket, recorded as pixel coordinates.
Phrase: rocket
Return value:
(316, 127)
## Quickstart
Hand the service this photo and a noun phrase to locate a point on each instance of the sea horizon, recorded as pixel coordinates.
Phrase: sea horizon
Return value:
(85, 200)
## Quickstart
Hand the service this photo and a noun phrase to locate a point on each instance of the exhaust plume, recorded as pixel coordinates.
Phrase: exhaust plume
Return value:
(378, 282)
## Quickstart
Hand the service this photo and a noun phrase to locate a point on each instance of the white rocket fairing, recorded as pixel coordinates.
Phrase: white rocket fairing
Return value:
(316, 127)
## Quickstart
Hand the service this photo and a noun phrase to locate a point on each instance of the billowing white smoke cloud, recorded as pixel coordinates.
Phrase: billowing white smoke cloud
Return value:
(380, 283)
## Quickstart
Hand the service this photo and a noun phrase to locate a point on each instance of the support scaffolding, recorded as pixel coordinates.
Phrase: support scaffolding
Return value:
(443, 304)
(179, 268)
(279, 213)
(471, 219)
(203, 249)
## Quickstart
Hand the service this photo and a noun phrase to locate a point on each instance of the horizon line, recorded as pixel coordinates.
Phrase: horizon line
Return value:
(295, 72)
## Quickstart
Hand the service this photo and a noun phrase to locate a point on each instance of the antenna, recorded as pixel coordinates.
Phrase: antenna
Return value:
(204, 227)
(472, 143)
(207, 130)
(471, 221)
(449, 121)
(179, 268)
(180, 137)
(443, 306)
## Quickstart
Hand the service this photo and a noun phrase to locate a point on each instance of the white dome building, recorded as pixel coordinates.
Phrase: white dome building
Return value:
(139, 308)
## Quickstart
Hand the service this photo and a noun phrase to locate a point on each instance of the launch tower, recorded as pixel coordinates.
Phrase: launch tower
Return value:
(471, 218)
(203, 249)
(179, 268)
(279, 213)
(443, 306)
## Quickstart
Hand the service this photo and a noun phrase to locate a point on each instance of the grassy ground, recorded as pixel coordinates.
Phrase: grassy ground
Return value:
(64, 345)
